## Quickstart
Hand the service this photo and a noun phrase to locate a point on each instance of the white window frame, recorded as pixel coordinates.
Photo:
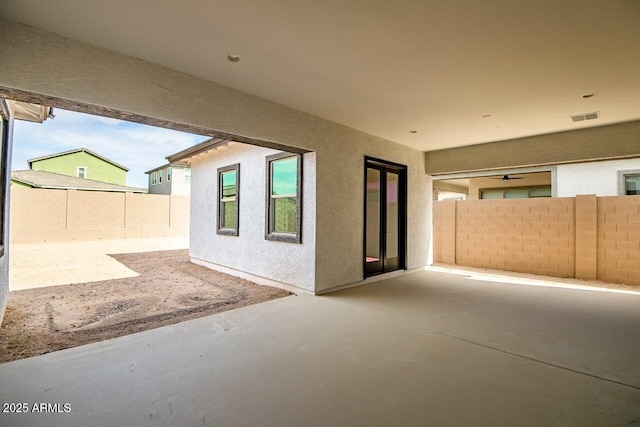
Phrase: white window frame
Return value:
(187, 174)
(622, 177)
(169, 174)
(84, 169)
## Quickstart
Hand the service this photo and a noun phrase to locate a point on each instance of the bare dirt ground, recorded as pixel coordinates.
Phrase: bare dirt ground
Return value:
(169, 289)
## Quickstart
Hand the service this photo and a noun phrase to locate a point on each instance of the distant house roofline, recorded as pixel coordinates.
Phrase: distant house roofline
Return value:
(52, 180)
(173, 165)
(182, 157)
(77, 150)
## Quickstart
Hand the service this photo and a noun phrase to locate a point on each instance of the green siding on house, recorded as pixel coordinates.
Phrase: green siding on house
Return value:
(96, 168)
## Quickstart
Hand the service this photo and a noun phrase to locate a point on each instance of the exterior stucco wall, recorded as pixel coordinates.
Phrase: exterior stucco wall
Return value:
(97, 169)
(288, 263)
(591, 144)
(599, 178)
(340, 204)
(179, 187)
(76, 72)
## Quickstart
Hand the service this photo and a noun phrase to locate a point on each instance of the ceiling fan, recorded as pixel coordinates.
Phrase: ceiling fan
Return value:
(508, 178)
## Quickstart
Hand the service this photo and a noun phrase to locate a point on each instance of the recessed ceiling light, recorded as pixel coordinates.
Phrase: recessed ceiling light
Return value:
(413, 131)
(233, 58)
(589, 95)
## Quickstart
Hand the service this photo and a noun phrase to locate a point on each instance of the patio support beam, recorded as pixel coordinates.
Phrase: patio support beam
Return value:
(617, 141)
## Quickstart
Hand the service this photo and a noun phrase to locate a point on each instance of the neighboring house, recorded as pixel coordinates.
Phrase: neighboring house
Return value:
(605, 178)
(50, 180)
(82, 163)
(602, 178)
(170, 179)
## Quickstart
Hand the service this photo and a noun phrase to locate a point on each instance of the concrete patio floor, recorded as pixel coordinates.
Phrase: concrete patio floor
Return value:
(426, 348)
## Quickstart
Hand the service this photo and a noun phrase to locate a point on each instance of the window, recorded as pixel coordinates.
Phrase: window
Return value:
(81, 172)
(169, 174)
(187, 175)
(284, 194)
(629, 182)
(160, 176)
(154, 178)
(632, 184)
(516, 192)
(228, 199)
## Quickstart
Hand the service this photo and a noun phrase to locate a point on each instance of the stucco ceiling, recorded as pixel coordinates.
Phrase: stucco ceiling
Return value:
(383, 67)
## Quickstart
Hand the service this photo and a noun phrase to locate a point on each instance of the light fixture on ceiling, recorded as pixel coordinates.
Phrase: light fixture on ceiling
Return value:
(233, 58)
(413, 131)
(588, 95)
(486, 116)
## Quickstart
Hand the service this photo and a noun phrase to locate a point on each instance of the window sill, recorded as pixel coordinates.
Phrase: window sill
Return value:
(283, 237)
(227, 232)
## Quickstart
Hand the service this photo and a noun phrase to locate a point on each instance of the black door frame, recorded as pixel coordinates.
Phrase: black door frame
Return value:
(383, 166)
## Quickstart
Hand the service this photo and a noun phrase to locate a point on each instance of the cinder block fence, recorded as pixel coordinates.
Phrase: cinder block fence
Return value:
(585, 237)
(42, 215)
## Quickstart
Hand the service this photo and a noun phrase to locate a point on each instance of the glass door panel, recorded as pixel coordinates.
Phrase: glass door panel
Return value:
(393, 223)
(385, 217)
(373, 257)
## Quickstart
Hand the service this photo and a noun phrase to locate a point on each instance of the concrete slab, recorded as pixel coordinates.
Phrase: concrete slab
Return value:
(50, 264)
(421, 349)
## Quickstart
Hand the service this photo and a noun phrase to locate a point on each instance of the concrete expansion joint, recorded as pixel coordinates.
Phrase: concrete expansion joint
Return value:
(533, 359)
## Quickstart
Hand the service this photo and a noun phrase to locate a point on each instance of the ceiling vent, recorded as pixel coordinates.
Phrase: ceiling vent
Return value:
(586, 116)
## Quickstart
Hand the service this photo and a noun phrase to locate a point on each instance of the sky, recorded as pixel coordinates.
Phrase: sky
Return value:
(135, 146)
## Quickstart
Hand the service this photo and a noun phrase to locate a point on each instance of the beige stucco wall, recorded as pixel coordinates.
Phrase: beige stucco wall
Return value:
(597, 143)
(39, 215)
(94, 76)
(291, 264)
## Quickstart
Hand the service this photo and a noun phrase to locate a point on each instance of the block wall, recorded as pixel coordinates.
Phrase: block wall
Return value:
(39, 215)
(619, 239)
(586, 237)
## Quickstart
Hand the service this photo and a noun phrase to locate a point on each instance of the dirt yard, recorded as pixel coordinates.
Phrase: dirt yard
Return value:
(169, 289)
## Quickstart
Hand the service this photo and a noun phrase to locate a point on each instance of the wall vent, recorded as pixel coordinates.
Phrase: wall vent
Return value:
(586, 116)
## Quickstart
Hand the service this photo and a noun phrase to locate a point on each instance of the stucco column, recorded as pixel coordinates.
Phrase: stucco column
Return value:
(586, 236)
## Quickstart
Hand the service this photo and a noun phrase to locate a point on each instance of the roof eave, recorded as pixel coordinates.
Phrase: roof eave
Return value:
(210, 144)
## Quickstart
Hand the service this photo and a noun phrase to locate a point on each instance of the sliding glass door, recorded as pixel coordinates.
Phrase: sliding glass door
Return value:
(385, 217)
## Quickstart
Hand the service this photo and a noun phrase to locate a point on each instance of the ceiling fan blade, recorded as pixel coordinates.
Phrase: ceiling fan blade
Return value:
(507, 178)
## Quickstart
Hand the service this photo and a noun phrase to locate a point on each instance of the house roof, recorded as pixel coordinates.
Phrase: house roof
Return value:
(50, 180)
(456, 72)
(183, 157)
(173, 165)
(30, 112)
(77, 150)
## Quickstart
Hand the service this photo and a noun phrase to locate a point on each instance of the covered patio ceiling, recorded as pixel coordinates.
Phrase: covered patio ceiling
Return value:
(427, 74)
